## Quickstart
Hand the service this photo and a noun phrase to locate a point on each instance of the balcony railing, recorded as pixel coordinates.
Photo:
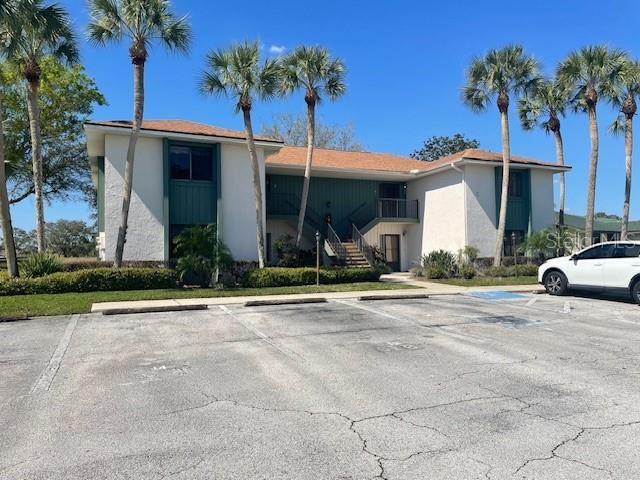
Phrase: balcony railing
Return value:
(397, 208)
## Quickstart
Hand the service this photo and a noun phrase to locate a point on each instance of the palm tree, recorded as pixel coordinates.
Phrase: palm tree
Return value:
(238, 73)
(591, 73)
(543, 107)
(626, 101)
(313, 70)
(5, 212)
(142, 22)
(37, 30)
(500, 74)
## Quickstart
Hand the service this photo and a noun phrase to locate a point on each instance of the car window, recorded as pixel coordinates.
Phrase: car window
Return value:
(626, 250)
(599, 251)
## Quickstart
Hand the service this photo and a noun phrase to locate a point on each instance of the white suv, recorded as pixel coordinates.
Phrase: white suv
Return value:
(605, 266)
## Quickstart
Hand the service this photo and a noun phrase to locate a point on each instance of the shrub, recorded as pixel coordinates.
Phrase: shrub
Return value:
(440, 264)
(527, 269)
(41, 264)
(100, 279)
(468, 255)
(288, 255)
(200, 254)
(467, 272)
(72, 265)
(284, 277)
(233, 275)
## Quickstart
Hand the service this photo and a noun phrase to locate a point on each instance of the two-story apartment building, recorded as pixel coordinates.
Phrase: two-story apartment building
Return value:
(188, 173)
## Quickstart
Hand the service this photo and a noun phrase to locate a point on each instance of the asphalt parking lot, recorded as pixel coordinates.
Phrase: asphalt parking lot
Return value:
(451, 387)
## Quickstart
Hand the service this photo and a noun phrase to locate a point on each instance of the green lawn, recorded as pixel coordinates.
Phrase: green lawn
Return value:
(67, 303)
(489, 281)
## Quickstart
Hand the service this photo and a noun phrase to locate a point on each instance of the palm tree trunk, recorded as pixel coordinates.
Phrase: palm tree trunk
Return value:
(560, 160)
(5, 212)
(257, 184)
(504, 196)
(311, 138)
(593, 168)
(628, 154)
(138, 111)
(36, 158)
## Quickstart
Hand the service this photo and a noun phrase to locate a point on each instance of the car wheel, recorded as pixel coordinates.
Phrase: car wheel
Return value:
(555, 283)
(635, 292)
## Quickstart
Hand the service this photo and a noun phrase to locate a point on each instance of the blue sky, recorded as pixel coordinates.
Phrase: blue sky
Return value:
(406, 63)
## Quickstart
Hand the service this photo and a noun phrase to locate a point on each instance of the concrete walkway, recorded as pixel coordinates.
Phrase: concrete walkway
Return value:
(429, 288)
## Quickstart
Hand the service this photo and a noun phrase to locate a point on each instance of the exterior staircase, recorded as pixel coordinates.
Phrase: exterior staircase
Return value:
(353, 256)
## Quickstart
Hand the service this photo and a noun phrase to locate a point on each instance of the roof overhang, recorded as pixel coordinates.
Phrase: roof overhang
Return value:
(96, 133)
(470, 161)
(332, 172)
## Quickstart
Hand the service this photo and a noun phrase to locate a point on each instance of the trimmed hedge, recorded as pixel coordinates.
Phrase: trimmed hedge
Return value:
(288, 277)
(96, 280)
(72, 265)
(524, 270)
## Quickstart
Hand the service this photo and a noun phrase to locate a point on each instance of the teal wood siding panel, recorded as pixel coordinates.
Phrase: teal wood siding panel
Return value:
(348, 201)
(166, 223)
(518, 208)
(100, 194)
(192, 203)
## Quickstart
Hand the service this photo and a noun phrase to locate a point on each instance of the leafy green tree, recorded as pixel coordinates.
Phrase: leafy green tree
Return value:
(626, 102)
(66, 99)
(440, 146)
(312, 70)
(592, 73)
(200, 254)
(38, 30)
(71, 238)
(499, 75)
(542, 107)
(142, 22)
(237, 72)
(292, 130)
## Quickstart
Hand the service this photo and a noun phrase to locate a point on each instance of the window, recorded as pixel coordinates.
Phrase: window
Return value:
(626, 250)
(180, 163)
(191, 163)
(599, 251)
(515, 184)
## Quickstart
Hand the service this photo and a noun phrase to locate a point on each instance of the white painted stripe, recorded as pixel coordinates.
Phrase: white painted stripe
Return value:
(285, 351)
(49, 373)
(532, 301)
(567, 307)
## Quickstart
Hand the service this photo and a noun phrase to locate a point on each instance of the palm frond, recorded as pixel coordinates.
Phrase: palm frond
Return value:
(617, 127)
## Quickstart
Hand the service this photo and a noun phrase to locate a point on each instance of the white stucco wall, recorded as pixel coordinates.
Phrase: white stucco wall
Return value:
(481, 208)
(542, 205)
(145, 234)
(385, 228)
(238, 205)
(441, 211)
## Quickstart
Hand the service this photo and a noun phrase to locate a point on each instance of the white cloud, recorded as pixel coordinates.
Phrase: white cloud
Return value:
(277, 49)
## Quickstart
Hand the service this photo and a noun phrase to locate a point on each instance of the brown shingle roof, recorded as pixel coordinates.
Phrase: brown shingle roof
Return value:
(181, 126)
(325, 158)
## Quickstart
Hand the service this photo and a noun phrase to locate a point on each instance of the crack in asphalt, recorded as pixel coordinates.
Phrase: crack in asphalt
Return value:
(353, 423)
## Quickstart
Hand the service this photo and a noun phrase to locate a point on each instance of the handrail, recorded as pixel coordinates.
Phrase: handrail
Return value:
(397, 208)
(336, 245)
(362, 244)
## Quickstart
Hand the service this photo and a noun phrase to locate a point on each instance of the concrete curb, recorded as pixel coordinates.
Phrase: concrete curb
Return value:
(157, 309)
(293, 301)
(366, 298)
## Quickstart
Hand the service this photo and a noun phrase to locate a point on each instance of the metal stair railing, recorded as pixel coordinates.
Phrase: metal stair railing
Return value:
(362, 244)
(336, 245)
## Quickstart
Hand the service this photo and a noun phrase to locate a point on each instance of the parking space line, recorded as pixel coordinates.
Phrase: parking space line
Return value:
(49, 373)
(264, 337)
(532, 301)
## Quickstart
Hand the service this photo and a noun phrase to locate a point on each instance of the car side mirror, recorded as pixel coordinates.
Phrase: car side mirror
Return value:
(573, 257)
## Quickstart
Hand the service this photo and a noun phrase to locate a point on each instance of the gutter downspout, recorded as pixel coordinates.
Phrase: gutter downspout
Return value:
(464, 198)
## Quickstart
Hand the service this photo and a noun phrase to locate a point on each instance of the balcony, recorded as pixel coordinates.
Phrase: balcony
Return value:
(397, 208)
